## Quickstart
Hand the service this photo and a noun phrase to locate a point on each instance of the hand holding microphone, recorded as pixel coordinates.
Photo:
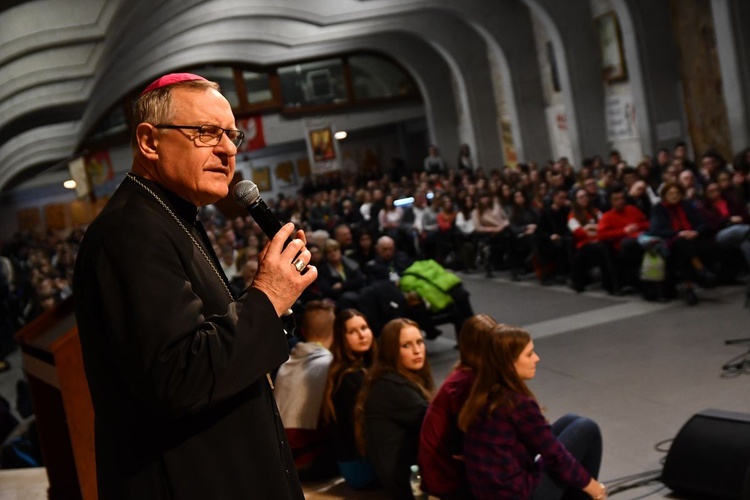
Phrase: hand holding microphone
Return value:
(282, 260)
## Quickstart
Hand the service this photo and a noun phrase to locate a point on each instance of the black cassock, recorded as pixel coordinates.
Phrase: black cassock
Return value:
(176, 367)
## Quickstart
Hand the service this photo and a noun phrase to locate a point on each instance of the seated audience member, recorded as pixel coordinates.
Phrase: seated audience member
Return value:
(583, 224)
(693, 189)
(420, 225)
(729, 191)
(440, 440)
(597, 196)
(726, 220)
(338, 275)
(228, 261)
(298, 389)
(364, 250)
(389, 263)
(523, 224)
(505, 431)
(492, 227)
(354, 353)
(466, 234)
(741, 186)
(555, 241)
(712, 162)
(248, 270)
(343, 234)
(392, 405)
(350, 214)
(620, 228)
(389, 218)
(641, 197)
(449, 237)
(682, 230)
(440, 290)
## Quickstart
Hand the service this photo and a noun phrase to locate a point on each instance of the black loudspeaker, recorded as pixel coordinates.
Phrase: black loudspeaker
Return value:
(710, 457)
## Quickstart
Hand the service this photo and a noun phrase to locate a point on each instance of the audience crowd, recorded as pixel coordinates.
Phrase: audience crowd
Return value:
(357, 395)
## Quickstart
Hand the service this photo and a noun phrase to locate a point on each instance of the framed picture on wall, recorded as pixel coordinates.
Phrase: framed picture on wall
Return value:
(321, 143)
(554, 72)
(262, 178)
(610, 43)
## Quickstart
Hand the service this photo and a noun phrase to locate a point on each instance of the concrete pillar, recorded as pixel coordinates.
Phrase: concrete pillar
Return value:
(572, 31)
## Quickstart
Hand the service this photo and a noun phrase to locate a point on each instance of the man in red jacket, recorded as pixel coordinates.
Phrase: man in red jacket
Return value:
(620, 228)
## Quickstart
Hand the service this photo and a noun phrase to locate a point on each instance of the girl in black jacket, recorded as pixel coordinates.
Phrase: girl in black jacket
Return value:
(392, 405)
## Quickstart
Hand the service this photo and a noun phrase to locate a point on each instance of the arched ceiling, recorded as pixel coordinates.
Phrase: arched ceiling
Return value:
(77, 59)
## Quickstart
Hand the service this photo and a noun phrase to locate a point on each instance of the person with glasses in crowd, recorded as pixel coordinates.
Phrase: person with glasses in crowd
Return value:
(176, 363)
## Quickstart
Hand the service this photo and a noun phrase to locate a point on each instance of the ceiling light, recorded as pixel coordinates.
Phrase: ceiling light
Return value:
(70, 184)
(341, 134)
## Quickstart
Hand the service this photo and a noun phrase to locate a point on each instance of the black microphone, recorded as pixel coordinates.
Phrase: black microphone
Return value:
(246, 193)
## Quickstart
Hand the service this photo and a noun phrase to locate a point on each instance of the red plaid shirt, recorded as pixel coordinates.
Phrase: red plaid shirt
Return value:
(499, 451)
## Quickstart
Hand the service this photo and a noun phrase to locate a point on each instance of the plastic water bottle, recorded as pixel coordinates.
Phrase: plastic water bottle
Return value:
(415, 480)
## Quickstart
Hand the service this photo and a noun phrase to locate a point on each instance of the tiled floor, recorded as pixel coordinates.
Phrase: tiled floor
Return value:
(641, 370)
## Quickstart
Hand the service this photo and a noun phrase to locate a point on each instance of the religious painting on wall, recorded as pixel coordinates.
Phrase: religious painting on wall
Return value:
(321, 143)
(610, 42)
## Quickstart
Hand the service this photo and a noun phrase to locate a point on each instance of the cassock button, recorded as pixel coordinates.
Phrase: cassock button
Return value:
(287, 472)
(281, 443)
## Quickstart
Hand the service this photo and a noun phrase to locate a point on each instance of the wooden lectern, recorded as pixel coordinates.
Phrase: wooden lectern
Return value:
(53, 364)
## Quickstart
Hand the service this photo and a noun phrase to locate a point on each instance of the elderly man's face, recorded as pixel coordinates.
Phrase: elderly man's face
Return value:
(386, 250)
(196, 171)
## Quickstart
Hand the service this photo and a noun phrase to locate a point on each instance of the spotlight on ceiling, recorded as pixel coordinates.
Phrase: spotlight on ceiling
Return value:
(69, 184)
(341, 134)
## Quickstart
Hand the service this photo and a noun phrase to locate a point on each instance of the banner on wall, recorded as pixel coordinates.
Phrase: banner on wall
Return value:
(323, 149)
(621, 119)
(557, 123)
(99, 167)
(253, 129)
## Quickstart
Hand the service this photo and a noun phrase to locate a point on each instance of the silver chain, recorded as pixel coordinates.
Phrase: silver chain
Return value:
(195, 242)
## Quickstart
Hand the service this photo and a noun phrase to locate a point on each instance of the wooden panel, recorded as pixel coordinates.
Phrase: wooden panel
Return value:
(29, 219)
(56, 216)
(79, 410)
(39, 340)
(81, 212)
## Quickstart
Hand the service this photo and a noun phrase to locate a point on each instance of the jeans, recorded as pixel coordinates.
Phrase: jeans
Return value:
(736, 235)
(583, 439)
(358, 473)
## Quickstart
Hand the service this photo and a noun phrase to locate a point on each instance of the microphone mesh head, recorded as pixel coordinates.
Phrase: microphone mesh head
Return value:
(246, 193)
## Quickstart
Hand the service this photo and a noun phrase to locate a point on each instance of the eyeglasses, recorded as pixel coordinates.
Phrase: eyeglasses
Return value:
(211, 134)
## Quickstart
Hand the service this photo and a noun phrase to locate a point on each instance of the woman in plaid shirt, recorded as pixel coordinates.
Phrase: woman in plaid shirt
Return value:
(510, 449)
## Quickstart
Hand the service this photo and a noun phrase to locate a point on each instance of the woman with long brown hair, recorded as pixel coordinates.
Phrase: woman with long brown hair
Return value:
(354, 353)
(505, 430)
(440, 440)
(392, 404)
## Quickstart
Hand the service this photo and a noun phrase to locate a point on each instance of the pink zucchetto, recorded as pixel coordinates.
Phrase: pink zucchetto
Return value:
(171, 79)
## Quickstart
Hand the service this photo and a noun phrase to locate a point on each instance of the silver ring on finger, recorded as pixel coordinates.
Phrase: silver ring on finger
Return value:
(299, 265)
